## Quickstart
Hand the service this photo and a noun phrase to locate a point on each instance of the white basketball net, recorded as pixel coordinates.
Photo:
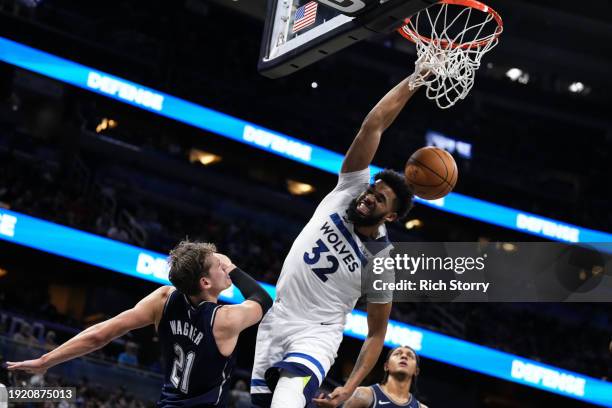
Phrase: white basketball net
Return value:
(450, 55)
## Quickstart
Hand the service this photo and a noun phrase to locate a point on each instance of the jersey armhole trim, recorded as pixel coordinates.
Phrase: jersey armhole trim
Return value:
(374, 397)
(164, 310)
(214, 315)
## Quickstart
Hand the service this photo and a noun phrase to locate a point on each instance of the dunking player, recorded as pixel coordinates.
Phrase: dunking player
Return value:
(395, 390)
(320, 280)
(197, 335)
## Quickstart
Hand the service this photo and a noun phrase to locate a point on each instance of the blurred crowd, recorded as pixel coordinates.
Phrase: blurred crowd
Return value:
(90, 392)
(41, 190)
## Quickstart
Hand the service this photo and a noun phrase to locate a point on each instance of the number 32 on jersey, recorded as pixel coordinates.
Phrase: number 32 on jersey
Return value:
(329, 253)
(315, 256)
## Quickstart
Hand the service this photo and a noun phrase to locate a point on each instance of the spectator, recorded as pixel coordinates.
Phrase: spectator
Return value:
(130, 355)
(50, 343)
(118, 234)
(24, 335)
(239, 395)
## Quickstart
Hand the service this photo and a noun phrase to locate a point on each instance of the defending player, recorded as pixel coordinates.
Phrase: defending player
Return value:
(320, 280)
(197, 335)
(395, 390)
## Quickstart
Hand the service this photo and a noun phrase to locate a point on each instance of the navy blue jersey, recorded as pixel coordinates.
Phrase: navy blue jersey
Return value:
(382, 400)
(196, 374)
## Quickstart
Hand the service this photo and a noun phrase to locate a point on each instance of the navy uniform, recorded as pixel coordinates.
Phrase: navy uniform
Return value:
(382, 400)
(195, 372)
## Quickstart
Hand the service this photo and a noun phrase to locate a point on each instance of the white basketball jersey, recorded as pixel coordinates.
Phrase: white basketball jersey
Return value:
(321, 276)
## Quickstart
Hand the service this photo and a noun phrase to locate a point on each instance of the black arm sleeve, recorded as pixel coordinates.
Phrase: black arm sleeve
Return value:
(250, 289)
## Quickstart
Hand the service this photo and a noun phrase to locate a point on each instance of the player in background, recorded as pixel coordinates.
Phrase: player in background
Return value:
(320, 281)
(397, 387)
(197, 335)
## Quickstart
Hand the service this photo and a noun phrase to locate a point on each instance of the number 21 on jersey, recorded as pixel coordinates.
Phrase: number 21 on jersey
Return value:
(181, 369)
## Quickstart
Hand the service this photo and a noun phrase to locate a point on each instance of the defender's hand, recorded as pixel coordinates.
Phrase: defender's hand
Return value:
(337, 397)
(29, 366)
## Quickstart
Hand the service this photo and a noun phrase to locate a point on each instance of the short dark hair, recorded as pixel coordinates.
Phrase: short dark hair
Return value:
(188, 263)
(397, 183)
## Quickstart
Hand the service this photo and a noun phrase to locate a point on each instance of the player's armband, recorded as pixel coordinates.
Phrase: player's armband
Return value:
(250, 289)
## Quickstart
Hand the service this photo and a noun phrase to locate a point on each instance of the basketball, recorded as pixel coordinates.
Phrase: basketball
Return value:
(431, 173)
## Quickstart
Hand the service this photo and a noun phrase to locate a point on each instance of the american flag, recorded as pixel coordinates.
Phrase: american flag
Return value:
(305, 16)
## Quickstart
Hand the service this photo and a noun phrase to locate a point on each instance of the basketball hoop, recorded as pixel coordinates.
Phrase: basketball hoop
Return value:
(451, 37)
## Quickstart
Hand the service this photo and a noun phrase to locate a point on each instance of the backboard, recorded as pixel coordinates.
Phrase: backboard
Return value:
(298, 33)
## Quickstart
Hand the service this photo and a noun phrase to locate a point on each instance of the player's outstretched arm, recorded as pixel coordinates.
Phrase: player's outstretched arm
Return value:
(147, 311)
(361, 398)
(365, 144)
(378, 317)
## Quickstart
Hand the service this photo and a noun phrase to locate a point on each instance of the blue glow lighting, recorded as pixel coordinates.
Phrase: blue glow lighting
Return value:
(270, 141)
(140, 263)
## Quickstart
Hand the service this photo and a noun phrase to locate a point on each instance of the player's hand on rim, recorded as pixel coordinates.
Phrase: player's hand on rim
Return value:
(337, 397)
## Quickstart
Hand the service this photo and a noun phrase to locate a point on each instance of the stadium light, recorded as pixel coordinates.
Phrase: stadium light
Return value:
(523, 79)
(106, 124)
(204, 158)
(509, 247)
(514, 73)
(298, 188)
(576, 87)
(518, 75)
(415, 223)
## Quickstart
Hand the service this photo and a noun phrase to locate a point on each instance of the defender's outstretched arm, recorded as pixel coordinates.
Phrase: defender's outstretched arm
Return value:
(147, 311)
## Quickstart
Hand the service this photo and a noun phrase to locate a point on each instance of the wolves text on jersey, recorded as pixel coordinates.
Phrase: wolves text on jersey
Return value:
(330, 239)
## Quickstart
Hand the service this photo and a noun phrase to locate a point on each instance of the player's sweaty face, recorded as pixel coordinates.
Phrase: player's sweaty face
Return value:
(402, 360)
(372, 205)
